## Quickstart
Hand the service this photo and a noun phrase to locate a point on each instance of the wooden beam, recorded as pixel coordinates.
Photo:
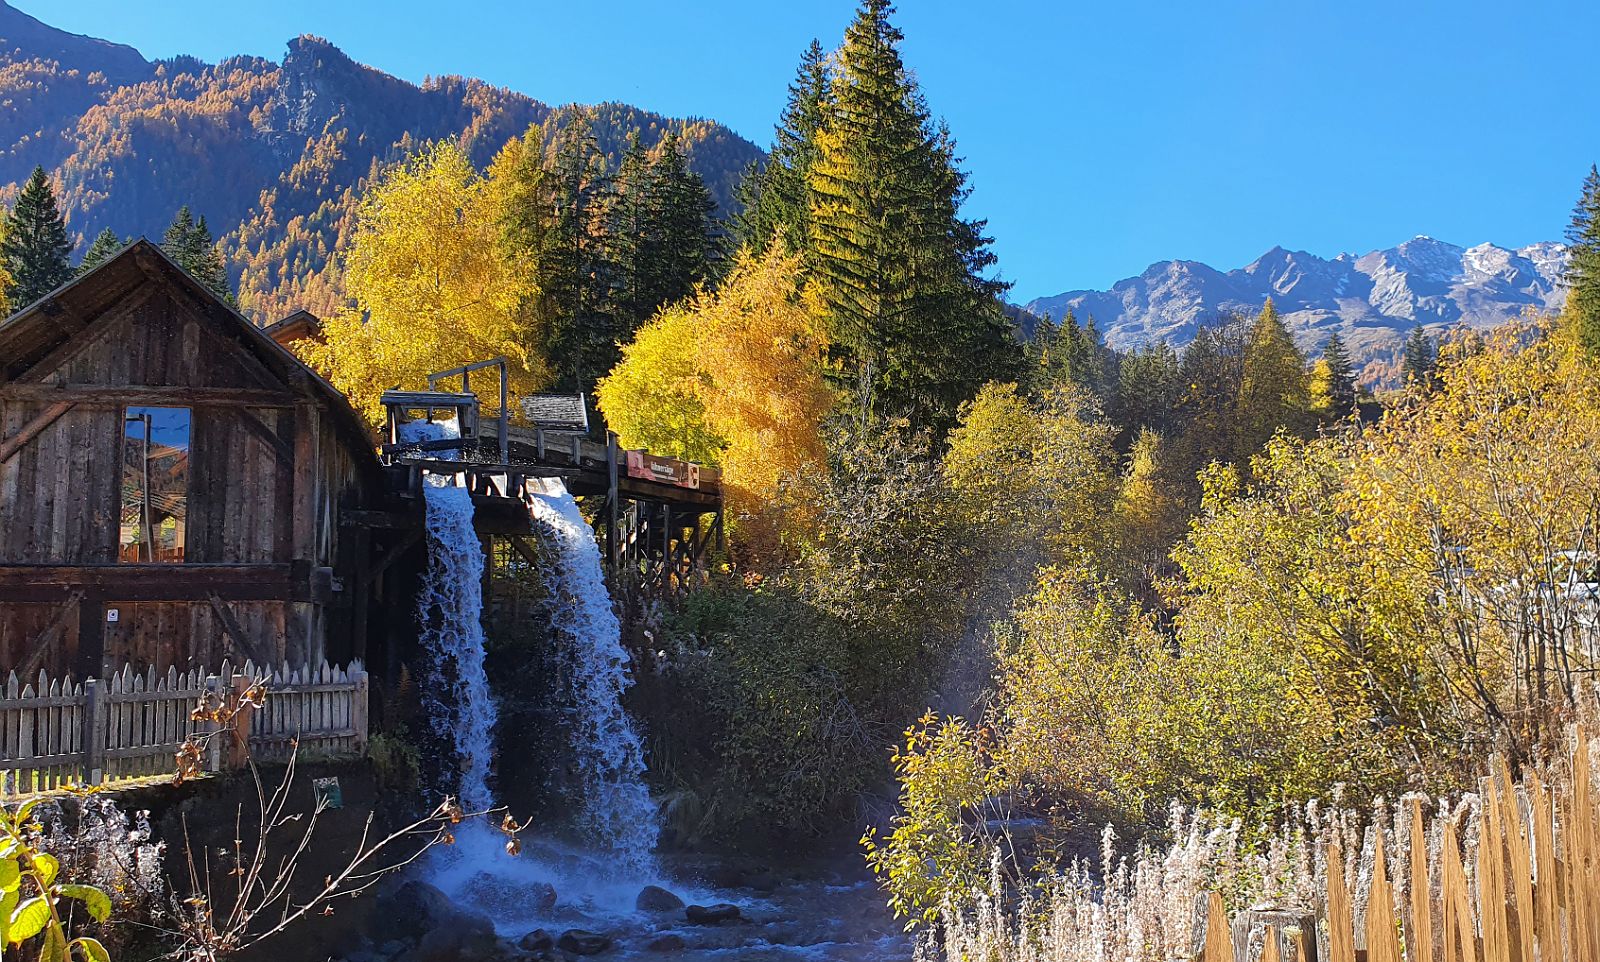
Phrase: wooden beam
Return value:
(521, 548)
(48, 637)
(365, 518)
(116, 395)
(81, 337)
(242, 642)
(281, 449)
(392, 555)
(42, 420)
(156, 582)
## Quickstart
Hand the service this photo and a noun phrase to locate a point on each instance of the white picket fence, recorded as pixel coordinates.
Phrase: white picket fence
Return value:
(58, 732)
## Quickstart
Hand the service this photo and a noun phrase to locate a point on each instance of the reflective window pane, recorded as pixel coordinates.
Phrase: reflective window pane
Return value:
(155, 484)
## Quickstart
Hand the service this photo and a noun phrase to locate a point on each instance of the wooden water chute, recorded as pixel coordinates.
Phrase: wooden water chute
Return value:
(659, 518)
(170, 484)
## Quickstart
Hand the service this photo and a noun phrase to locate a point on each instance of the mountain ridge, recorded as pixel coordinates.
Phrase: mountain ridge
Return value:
(273, 153)
(1372, 300)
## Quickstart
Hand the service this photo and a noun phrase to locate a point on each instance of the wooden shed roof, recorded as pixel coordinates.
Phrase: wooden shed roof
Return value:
(28, 337)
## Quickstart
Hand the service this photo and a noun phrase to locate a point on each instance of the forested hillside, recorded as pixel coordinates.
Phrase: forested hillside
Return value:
(272, 154)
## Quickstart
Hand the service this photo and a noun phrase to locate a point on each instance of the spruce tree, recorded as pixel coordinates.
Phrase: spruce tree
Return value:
(774, 199)
(897, 275)
(105, 244)
(189, 243)
(34, 248)
(1583, 264)
(1341, 376)
(1421, 359)
(572, 264)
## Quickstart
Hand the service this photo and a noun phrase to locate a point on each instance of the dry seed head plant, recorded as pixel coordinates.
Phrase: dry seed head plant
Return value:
(1511, 871)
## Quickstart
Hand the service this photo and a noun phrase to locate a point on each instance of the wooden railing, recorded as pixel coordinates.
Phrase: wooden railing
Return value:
(59, 733)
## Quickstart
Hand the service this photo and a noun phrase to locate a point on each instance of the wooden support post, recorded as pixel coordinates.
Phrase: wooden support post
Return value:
(32, 429)
(94, 731)
(612, 506)
(242, 642)
(91, 635)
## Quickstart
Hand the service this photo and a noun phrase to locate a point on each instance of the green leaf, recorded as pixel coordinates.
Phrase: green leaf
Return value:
(10, 875)
(55, 946)
(25, 810)
(91, 950)
(96, 901)
(28, 920)
(46, 865)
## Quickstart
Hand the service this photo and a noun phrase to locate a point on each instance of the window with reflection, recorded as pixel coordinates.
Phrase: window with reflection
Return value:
(155, 484)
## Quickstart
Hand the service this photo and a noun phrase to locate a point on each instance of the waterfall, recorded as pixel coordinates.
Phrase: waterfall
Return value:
(618, 811)
(619, 817)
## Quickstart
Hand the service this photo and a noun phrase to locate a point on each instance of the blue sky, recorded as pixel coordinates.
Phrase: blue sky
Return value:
(1100, 137)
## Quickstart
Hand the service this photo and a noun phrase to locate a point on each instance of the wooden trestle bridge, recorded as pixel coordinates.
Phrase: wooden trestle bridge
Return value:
(658, 518)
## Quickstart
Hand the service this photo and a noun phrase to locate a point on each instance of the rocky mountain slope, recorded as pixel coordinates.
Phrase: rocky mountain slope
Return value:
(1373, 300)
(271, 153)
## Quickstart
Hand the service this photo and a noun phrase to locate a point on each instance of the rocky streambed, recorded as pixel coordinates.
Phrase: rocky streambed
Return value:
(705, 908)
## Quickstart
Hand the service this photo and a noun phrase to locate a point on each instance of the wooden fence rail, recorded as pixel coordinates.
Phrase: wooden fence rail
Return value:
(1512, 877)
(56, 733)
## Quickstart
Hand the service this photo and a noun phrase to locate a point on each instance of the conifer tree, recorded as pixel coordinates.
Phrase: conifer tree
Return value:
(571, 266)
(105, 244)
(775, 200)
(34, 248)
(1272, 392)
(1421, 359)
(897, 275)
(1341, 376)
(189, 243)
(1583, 264)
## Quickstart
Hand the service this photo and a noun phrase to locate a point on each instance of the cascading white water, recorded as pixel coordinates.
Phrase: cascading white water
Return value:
(619, 815)
(618, 810)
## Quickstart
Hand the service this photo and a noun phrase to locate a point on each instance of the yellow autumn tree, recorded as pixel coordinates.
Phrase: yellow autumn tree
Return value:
(431, 284)
(732, 377)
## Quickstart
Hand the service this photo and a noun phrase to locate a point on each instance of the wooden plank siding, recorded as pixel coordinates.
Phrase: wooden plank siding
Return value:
(274, 455)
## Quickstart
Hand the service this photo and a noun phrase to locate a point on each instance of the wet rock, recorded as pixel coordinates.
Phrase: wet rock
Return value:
(667, 943)
(579, 942)
(456, 944)
(711, 914)
(416, 910)
(654, 898)
(542, 895)
(537, 941)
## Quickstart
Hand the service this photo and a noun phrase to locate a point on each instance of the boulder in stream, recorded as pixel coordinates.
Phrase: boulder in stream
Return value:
(670, 942)
(416, 910)
(712, 914)
(537, 941)
(654, 898)
(580, 942)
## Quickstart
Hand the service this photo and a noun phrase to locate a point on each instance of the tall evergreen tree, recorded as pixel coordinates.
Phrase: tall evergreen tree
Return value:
(661, 237)
(1272, 393)
(1583, 265)
(1421, 359)
(189, 243)
(897, 275)
(774, 199)
(34, 248)
(571, 265)
(1341, 376)
(105, 244)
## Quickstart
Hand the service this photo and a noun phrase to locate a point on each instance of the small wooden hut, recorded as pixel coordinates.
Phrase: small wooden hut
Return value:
(171, 481)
